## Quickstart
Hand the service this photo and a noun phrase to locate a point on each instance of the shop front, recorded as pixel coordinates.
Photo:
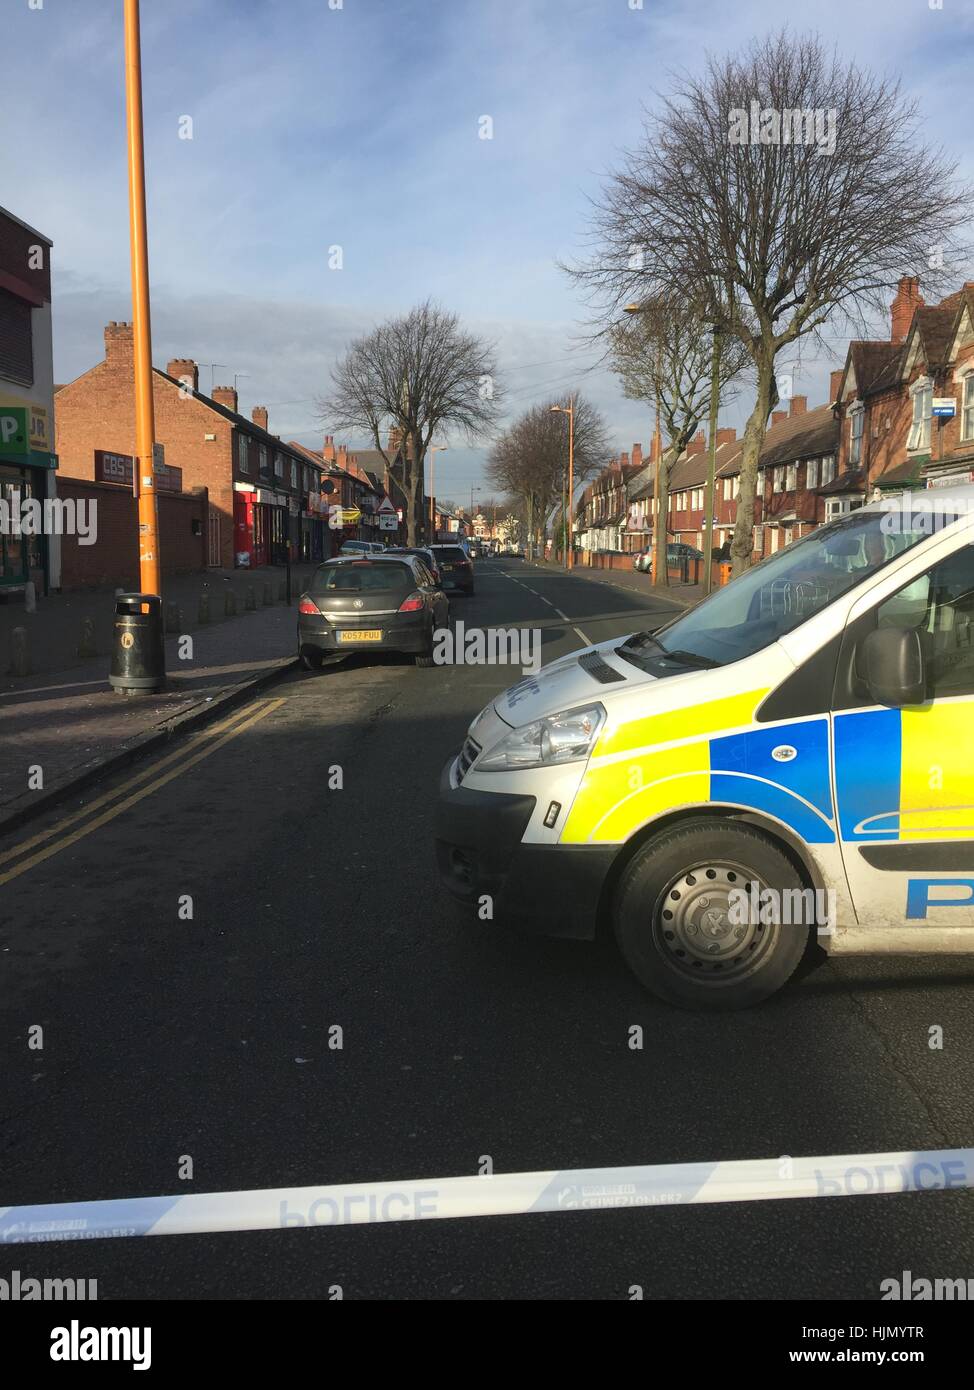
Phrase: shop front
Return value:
(27, 478)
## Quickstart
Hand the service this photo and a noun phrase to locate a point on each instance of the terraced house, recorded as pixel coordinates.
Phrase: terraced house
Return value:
(906, 405)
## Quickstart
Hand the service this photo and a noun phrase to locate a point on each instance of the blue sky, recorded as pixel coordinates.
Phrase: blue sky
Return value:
(357, 126)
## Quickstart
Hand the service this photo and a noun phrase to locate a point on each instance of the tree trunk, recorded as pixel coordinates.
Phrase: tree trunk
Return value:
(742, 546)
(660, 567)
(415, 460)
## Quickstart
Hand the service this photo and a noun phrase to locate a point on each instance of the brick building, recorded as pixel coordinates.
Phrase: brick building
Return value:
(891, 437)
(263, 494)
(27, 458)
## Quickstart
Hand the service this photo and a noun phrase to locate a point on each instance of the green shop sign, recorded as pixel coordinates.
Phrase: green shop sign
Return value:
(14, 430)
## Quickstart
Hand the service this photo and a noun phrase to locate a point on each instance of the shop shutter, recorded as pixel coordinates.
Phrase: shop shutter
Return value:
(16, 351)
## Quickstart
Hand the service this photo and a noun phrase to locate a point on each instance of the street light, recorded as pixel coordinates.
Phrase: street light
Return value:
(433, 450)
(659, 524)
(569, 530)
(150, 573)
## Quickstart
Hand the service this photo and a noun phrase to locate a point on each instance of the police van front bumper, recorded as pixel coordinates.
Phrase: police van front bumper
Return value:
(543, 890)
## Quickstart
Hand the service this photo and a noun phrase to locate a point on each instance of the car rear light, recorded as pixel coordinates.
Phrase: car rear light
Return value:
(307, 606)
(412, 604)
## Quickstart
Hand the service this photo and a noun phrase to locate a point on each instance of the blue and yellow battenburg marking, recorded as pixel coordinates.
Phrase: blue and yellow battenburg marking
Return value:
(699, 764)
(902, 775)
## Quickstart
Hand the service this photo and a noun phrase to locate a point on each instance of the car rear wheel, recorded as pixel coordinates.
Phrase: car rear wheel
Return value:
(685, 921)
(312, 660)
(425, 657)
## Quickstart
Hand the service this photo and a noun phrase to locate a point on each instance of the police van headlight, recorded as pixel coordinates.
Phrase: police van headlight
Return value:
(558, 738)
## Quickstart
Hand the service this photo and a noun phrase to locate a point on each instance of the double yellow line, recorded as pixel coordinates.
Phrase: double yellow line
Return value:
(124, 796)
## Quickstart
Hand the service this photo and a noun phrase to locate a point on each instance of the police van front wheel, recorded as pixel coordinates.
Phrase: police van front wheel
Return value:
(696, 924)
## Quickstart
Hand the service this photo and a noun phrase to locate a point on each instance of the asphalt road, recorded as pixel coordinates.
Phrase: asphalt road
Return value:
(315, 906)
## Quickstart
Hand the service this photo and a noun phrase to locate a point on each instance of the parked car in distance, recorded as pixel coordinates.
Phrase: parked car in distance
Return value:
(456, 568)
(676, 553)
(362, 548)
(372, 602)
(425, 554)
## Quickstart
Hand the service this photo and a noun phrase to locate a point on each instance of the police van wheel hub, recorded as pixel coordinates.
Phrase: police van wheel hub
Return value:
(698, 923)
(687, 935)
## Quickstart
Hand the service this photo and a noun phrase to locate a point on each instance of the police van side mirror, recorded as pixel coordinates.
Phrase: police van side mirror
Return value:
(894, 667)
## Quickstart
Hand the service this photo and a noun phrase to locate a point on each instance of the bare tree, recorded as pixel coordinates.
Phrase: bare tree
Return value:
(777, 189)
(664, 356)
(418, 374)
(530, 459)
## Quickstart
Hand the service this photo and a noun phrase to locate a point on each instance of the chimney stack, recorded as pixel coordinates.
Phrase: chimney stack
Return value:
(225, 396)
(637, 456)
(259, 416)
(777, 416)
(799, 404)
(118, 341)
(726, 436)
(185, 370)
(908, 300)
(395, 440)
(328, 452)
(697, 444)
(835, 382)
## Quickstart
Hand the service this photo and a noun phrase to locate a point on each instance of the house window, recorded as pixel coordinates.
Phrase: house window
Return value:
(263, 460)
(778, 483)
(294, 474)
(811, 473)
(922, 393)
(828, 471)
(967, 415)
(243, 454)
(791, 477)
(278, 465)
(307, 478)
(857, 419)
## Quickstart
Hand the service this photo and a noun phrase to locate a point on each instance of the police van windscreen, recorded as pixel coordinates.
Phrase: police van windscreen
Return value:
(787, 589)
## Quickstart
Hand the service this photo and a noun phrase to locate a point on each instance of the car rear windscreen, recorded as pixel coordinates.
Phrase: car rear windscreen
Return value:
(363, 577)
(450, 552)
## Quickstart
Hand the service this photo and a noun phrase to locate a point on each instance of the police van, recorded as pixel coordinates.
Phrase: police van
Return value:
(805, 736)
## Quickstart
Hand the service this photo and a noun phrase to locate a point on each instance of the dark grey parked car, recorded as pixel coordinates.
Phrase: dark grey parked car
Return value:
(376, 603)
(456, 568)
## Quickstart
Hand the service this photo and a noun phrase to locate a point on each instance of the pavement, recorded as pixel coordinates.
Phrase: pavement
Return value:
(63, 725)
(189, 945)
(681, 595)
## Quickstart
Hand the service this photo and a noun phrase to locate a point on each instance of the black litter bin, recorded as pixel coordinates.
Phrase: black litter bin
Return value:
(138, 649)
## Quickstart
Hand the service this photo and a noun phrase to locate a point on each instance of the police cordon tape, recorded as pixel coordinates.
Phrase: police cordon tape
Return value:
(503, 1194)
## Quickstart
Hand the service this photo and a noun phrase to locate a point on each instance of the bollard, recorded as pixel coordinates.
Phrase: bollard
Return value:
(250, 600)
(203, 615)
(174, 619)
(30, 597)
(19, 652)
(229, 602)
(268, 595)
(87, 646)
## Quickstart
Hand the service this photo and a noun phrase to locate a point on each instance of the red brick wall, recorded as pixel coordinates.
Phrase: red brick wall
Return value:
(113, 561)
(97, 411)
